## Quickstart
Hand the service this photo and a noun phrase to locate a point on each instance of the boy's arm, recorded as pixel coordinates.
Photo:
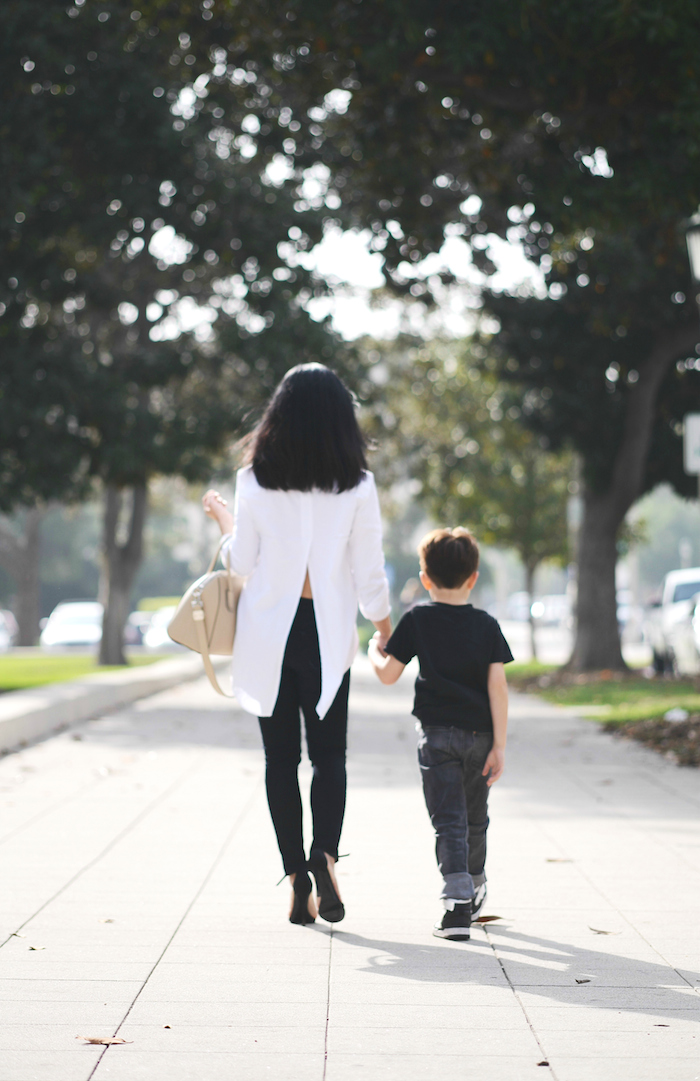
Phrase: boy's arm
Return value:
(498, 700)
(387, 667)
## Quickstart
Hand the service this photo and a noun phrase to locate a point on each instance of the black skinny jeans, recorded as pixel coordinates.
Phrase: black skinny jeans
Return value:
(326, 740)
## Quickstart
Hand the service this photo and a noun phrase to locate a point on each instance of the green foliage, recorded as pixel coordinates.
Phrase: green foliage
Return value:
(578, 128)
(110, 138)
(579, 356)
(456, 430)
(506, 102)
(68, 568)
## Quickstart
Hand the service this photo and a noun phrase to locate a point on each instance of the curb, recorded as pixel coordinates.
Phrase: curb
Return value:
(29, 715)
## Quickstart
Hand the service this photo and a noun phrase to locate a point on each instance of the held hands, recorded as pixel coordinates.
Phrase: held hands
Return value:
(388, 668)
(494, 764)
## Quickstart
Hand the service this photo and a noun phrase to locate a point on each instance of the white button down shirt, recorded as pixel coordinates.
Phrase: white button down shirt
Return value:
(276, 537)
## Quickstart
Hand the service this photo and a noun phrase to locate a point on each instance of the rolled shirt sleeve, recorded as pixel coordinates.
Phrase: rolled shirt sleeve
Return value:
(366, 555)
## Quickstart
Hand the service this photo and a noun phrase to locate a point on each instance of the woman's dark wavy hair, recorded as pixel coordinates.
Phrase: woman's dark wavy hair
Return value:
(309, 436)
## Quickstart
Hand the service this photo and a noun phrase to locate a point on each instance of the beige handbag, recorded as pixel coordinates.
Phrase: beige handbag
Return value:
(205, 618)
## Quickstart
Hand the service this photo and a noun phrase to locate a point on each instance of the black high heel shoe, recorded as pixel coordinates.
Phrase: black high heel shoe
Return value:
(330, 907)
(300, 905)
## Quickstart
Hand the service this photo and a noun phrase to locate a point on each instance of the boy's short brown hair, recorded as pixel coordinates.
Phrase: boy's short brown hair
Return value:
(449, 557)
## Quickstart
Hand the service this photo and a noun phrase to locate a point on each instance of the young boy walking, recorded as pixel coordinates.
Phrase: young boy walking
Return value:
(461, 703)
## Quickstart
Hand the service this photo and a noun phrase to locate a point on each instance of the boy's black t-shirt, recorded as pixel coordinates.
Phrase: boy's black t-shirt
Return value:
(455, 644)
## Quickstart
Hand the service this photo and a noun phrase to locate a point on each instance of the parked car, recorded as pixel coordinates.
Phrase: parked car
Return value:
(157, 637)
(552, 610)
(5, 634)
(136, 626)
(684, 640)
(73, 623)
(11, 624)
(670, 616)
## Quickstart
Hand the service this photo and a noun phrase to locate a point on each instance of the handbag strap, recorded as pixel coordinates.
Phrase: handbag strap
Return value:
(198, 617)
(226, 563)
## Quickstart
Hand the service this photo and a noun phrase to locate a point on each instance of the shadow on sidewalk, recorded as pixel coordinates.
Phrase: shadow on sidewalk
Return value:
(536, 966)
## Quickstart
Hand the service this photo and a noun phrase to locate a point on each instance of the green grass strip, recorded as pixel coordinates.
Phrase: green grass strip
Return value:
(36, 670)
(647, 708)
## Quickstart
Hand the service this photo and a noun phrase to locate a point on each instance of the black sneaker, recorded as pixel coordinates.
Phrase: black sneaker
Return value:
(455, 924)
(478, 900)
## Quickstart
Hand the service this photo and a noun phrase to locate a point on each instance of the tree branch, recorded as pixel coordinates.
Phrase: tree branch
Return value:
(630, 462)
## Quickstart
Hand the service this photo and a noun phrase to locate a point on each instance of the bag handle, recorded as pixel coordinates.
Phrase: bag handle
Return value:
(198, 617)
(217, 553)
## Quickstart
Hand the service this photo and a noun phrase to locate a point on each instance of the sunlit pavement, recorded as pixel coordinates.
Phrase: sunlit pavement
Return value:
(138, 872)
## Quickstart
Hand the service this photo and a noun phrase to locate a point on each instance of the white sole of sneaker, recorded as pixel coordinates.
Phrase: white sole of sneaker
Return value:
(459, 933)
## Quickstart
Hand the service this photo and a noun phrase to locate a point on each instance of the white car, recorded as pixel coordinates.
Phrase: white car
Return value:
(665, 621)
(73, 623)
(684, 640)
(552, 610)
(157, 637)
(5, 634)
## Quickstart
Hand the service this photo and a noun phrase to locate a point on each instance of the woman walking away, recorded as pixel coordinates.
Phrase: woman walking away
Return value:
(306, 531)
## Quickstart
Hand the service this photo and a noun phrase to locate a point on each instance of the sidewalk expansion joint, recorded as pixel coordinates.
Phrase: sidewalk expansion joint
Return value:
(204, 883)
(328, 1007)
(625, 918)
(108, 848)
(52, 807)
(545, 1056)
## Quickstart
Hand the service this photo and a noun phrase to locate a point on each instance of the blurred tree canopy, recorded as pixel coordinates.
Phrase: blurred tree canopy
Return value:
(573, 129)
(129, 210)
(455, 429)
(576, 130)
(103, 150)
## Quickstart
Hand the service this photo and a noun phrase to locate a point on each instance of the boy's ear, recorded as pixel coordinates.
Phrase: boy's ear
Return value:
(472, 579)
(425, 581)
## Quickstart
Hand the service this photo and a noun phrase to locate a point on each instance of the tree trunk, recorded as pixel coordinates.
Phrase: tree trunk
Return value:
(530, 588)
(19, 555)
(598, 638)
(122, 551)
(597, 644)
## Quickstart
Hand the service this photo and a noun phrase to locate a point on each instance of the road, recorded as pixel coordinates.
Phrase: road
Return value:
(555, 644)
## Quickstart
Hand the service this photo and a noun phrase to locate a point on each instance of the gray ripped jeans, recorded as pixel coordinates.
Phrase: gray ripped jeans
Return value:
(456, 795)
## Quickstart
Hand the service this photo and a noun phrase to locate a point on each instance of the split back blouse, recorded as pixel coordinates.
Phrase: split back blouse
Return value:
(279, 535)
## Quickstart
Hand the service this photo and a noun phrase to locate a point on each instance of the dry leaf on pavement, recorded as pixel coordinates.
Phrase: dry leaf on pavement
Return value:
(486, 919)
(103, 1039)
(597, 931)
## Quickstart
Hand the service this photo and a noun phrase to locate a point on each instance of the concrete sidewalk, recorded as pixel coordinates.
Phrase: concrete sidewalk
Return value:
(138, 899)
(38, 711)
